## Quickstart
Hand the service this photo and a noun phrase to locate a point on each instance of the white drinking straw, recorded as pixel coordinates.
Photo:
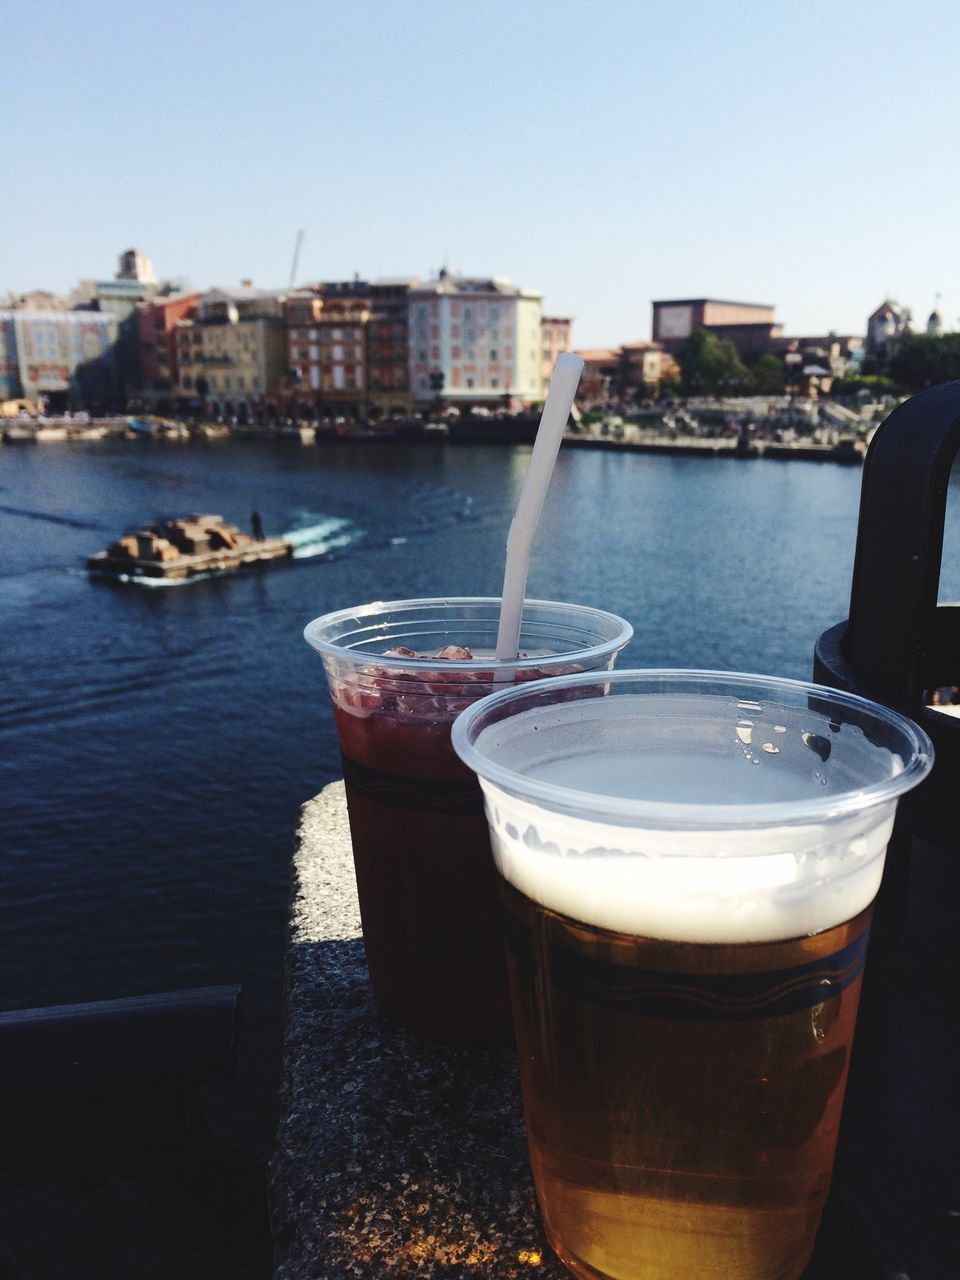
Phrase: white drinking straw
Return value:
(556, 411)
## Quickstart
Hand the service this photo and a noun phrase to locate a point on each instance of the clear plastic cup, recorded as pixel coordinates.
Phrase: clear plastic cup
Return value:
(688, 862)
(427, 888)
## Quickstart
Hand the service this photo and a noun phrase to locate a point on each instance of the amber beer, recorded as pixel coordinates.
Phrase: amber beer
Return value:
(685, 1096)
(688, 862)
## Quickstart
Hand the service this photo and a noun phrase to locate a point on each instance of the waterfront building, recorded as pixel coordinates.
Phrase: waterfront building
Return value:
(326, 346)
(598, 382)
(67, 357)
(555, 337)
(157, 323)
(475, 341)
(387, 347)
(885, 327)
(232, 351)
(750, 326)
(642, 368)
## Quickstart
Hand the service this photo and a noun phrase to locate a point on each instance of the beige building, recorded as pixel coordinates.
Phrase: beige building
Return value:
(233, 351)
(643, 368)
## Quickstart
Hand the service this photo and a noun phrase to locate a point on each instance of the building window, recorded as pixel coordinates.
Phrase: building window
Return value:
(494, 313)
(470, 384)
(338, 353)
(494, 382)
(493, 354)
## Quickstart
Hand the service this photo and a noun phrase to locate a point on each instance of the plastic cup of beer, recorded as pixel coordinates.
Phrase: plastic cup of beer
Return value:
(399, 673)
(687, 863)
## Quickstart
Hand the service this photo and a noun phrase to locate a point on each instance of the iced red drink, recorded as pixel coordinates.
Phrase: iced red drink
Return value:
(425, 878)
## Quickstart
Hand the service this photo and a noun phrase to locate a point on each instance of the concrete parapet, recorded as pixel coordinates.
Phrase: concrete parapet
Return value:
(394, 1157)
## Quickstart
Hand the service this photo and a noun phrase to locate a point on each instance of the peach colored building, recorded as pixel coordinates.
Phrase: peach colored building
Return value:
(555, 335)
(599, 379)
(478, 336)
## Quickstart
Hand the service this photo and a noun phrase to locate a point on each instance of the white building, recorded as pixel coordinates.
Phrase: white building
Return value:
(481, 336)
(886, 326)
(135, 265)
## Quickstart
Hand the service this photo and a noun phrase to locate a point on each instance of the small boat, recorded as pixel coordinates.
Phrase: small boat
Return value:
(186, 548)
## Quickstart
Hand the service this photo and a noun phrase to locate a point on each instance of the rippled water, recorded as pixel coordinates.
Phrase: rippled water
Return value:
(158, 742)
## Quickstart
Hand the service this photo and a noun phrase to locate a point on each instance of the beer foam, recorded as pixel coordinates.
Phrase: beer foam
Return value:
(693, 864)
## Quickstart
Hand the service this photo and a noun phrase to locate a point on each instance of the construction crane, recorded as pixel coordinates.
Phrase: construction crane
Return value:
(296, 258)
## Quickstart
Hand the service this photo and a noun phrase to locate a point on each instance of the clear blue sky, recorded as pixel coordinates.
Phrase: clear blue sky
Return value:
(803, 154)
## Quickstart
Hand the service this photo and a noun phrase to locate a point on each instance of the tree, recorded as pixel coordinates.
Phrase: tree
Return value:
(769, 375)
(709, 366)
(920, 361)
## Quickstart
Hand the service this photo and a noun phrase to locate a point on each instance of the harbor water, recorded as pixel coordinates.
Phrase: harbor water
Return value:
(158, 740)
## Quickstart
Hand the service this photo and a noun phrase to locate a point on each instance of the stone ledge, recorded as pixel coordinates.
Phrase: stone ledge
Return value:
(394, 1157)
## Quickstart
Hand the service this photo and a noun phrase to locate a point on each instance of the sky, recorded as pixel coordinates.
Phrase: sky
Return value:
(606, 153)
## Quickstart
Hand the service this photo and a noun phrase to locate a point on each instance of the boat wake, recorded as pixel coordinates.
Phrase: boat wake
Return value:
(319, 539)
(139, 580)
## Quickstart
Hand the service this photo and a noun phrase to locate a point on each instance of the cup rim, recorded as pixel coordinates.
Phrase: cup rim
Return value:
(327, 648)
(918, 756)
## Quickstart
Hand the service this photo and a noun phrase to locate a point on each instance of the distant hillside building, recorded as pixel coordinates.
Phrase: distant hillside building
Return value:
(835, 354)
(477, 339)
(750, 326)
(885, 327)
